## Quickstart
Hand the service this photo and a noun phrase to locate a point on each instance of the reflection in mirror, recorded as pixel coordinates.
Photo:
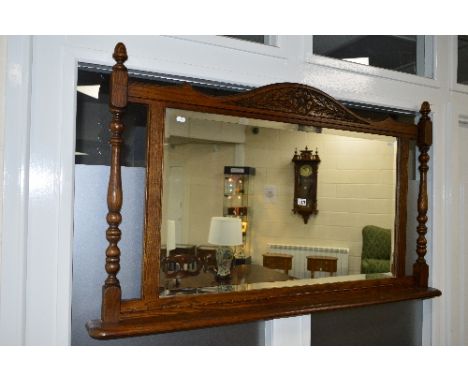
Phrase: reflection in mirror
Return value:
(217, 165)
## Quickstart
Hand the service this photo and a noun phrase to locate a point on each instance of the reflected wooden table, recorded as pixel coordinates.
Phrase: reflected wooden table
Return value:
(321, 264)
(206, 282)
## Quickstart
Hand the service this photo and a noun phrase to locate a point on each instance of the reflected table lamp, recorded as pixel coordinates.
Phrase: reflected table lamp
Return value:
(226, 233)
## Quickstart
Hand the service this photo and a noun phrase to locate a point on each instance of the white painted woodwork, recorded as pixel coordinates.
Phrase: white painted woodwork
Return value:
(15, 191)
(290, 331)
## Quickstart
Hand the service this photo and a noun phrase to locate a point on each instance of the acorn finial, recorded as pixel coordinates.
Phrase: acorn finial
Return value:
(425, 110)
(120, 53)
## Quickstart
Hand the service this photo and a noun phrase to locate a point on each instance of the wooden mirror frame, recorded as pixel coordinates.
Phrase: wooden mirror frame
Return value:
(284, 102)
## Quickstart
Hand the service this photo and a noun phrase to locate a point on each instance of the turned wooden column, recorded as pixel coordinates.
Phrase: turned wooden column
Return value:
(424, 142)
(111, 293)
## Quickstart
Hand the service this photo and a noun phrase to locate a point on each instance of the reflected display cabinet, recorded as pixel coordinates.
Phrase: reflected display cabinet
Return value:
(236, 204)
(282, 112)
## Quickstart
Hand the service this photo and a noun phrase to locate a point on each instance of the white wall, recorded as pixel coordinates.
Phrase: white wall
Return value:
(356, 183)
(202, 174)
(3, 59)
(38, 241)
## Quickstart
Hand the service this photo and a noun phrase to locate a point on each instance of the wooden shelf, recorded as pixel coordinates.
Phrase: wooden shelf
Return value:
(315, 299)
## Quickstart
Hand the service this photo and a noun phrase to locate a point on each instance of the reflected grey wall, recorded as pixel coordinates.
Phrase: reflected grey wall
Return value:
(396, 324)
(88, 262)
(90, 227)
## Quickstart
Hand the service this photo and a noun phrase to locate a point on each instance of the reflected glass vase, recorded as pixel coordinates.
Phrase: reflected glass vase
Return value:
(224, 257)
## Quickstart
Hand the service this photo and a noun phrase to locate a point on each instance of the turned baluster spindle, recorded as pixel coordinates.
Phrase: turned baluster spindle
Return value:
(111, 292)
(424, 142)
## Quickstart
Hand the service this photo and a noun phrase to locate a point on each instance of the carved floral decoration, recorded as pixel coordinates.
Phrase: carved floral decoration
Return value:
(300, 100)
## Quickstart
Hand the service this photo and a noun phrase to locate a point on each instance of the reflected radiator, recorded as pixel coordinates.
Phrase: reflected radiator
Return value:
(300, 253)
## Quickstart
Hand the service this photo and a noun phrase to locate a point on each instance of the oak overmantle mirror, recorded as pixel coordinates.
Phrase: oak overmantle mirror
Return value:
(231, 157)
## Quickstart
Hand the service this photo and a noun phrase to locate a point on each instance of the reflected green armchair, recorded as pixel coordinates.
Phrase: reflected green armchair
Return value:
(376, 249)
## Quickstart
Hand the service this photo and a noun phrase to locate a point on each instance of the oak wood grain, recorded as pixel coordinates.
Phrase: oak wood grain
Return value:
(187, 98)
(184, 314)
(424, 142)
(111, 292)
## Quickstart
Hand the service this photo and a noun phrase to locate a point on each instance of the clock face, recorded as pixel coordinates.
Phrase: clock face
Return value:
(305, 170)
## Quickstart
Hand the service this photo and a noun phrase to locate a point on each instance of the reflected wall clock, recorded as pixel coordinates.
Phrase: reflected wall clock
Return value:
(305, 183)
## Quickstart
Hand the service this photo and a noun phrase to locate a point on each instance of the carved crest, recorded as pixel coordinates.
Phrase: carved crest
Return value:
(301, 100)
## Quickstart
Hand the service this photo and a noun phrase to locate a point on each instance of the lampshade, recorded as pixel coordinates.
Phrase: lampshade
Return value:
(170, 239)
(225, 231)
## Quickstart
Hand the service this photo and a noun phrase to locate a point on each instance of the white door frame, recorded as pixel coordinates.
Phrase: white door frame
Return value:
(15, 191)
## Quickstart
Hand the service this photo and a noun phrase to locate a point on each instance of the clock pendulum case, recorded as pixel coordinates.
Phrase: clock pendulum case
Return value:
(305, 183)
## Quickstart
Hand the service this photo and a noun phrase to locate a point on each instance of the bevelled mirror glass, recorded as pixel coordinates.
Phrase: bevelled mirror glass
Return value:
(225, 166)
